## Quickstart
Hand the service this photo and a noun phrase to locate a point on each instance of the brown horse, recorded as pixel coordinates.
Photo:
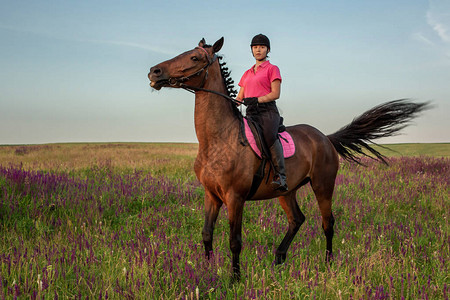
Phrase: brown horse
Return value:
(226, 167)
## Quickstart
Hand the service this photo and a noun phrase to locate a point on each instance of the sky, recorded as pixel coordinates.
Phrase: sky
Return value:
(76, 71)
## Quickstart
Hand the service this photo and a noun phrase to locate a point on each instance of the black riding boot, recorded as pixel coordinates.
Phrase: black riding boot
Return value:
(279, 180)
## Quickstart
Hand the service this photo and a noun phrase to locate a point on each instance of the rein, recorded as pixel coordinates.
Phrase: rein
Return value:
(180, 81)
(194, 89)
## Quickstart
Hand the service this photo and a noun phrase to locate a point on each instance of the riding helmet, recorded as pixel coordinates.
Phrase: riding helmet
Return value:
(260, 39)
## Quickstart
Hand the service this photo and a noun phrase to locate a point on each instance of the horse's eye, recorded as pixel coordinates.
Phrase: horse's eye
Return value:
(194, 58)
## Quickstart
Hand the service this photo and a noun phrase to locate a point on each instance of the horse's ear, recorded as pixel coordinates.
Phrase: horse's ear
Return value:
(202, 42)
(218, 45)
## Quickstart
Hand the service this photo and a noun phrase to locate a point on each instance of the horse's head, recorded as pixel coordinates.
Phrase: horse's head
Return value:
(185, 68)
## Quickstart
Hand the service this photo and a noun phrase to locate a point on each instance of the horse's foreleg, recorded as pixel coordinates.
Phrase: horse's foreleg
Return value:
(295, 219)
(235, 209)
(212, 208)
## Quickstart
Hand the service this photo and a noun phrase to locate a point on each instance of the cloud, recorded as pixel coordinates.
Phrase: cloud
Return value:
(439, 26)
(84, 40)
(129, 44)
(436, 34)
(418, 36)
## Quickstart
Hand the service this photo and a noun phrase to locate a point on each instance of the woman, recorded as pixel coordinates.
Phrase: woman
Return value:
(259, 88)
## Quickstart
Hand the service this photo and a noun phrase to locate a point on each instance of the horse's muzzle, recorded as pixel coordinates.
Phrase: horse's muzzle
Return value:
(157, 78)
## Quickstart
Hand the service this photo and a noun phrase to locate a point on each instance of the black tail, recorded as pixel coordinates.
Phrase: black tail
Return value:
(381, 121)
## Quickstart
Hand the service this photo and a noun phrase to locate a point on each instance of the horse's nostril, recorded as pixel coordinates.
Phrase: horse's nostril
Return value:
(155, 71)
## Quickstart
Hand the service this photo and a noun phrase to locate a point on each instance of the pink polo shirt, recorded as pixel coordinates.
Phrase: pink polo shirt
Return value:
(257, 84)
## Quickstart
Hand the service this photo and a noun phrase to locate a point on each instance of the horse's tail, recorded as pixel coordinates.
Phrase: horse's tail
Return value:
(381, 121)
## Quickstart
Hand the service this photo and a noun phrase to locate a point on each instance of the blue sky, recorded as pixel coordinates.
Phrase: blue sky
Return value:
(76, 71)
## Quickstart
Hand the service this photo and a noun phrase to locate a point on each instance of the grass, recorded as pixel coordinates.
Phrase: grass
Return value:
(168, 159)
(124, 221)
(416, 149)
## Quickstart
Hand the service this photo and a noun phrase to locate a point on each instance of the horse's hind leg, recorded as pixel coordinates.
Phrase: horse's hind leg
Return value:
(212, 208)
(323, 189)
(295, 219)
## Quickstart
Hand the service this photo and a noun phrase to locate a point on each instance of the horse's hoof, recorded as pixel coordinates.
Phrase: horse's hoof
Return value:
(235, 278)
(329, 257)
(280, 259)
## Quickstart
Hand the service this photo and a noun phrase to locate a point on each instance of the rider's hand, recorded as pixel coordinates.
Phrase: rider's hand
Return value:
(250, 101)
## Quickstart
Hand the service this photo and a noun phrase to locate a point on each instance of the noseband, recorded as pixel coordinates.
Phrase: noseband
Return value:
(179, 82)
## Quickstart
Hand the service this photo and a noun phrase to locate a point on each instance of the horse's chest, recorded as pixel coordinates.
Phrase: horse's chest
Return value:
(214, 172)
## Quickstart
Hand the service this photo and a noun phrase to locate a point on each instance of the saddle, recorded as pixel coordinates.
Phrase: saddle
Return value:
(259, 147)
(285, 138)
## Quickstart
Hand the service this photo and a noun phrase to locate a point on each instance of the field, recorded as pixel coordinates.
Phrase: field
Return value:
(113, 221)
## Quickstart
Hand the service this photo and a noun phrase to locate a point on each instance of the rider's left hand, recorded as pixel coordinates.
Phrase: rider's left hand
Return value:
(250, 101)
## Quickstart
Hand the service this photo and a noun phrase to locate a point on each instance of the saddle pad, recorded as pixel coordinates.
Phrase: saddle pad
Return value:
(286, 141)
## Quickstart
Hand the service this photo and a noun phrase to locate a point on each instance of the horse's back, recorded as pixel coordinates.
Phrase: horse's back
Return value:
(307, 135)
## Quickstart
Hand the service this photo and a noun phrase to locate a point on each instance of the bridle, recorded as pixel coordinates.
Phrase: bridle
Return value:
(179, 82)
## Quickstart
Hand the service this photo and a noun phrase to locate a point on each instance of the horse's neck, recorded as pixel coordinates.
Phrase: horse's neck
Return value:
(215, 122)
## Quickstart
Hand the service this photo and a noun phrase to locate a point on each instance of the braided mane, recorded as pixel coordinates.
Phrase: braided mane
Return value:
(226, 75)
(228, 82)
(229, 86)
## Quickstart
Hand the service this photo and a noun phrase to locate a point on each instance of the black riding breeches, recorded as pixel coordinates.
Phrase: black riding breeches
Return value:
(268, 118)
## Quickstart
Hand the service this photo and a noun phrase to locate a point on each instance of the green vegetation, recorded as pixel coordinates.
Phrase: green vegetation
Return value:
(124, 221)
(435, 149)
(169, 159)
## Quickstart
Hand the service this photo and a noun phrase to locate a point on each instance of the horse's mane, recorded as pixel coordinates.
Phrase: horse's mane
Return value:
(228, 82)
(226, 75)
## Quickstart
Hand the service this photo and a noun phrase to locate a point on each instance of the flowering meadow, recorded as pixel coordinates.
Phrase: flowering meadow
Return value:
(81, 223)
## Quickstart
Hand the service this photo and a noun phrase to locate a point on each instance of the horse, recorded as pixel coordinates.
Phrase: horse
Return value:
(225, 165)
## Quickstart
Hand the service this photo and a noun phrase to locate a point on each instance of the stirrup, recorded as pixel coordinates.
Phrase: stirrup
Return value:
(279, 184)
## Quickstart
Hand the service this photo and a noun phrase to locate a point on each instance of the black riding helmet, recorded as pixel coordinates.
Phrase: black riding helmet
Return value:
(260, 39)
